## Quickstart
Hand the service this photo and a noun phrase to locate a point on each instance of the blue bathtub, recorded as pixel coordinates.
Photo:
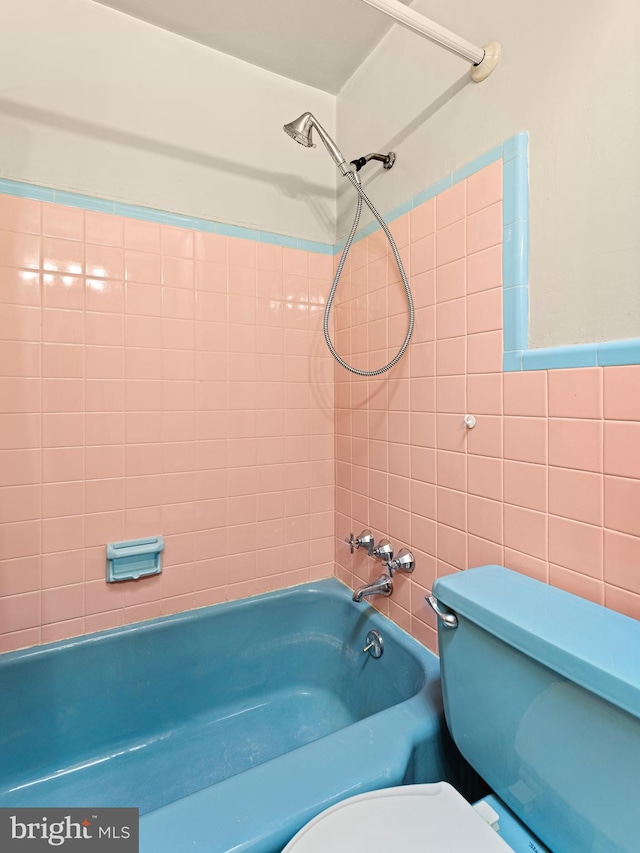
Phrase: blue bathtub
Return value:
(228, 727)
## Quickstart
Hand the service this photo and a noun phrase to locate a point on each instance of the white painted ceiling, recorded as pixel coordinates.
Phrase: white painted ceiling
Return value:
(317, 42)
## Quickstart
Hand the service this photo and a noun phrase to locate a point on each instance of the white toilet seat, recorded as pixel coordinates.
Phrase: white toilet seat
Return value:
(410, 818)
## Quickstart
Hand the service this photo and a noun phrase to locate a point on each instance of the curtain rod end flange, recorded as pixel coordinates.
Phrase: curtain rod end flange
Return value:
(492, 54)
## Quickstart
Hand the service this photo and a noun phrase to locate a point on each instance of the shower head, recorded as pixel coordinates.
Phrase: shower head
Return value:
(302, 129)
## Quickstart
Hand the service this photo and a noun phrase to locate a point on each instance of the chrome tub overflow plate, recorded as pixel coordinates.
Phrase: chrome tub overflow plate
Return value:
(374, 644)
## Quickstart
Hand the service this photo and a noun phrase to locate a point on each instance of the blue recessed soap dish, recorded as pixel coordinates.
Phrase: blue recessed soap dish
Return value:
(134, 559)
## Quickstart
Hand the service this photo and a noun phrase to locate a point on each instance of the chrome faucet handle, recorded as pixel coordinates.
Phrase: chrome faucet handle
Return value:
(384, 551)
(365, 540)
(404, 562)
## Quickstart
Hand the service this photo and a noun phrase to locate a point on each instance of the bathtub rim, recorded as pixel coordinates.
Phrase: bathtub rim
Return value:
(331, 587)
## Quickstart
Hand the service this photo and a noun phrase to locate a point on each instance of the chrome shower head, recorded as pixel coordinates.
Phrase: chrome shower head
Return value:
(301, 130)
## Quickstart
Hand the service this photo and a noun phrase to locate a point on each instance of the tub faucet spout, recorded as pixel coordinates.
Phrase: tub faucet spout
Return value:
(382, 585)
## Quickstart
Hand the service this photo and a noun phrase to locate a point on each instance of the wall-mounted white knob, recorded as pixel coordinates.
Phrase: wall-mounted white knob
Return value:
(469, 421)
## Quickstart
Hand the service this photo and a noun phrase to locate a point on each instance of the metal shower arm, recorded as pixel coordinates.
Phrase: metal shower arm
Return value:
(484, 59)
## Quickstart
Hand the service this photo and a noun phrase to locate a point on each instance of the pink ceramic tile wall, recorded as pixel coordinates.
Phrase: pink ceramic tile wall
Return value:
(548, 482)
(155, 380)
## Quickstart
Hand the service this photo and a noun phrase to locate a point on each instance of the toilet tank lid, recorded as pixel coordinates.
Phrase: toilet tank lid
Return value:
(590, 645)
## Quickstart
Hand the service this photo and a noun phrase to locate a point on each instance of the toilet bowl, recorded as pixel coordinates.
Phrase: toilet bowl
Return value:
(541, 694)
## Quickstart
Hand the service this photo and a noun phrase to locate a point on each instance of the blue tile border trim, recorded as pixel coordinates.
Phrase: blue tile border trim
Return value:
(514, 153)
(149, 214)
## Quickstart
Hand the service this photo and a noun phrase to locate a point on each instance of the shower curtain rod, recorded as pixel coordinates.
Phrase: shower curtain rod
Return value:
(484, 58)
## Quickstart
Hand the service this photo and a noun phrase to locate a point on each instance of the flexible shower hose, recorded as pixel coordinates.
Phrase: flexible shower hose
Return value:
(355, 180)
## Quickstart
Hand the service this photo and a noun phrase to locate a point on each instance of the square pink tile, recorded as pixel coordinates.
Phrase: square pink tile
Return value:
(452, 470)
(576, 444)
(485, 518)
(104, 461)
(19, 503)
(104, 395)
(141, 236)
(20, 214)
(525, 439)
(103, 228)
(63, 327)
(525, 485)
(527, 565)
(19, 612)
(423, 257)
(525, 531)
(576, 546)
(451, 243)
(622, 392)
(21, 430)
(576, 494)
(452, 549)
(451, 205)
(577, 584)
(484, 476)
(178, 272)
(621, 450)
(622, 601)
(142, 267)
(210, 247)
(423, 534)
(19, 287)
(451, 394)
(621, 560)
(399, 229)
(63, 291)
(452, 508)
(62, 603)
(526, 393)
(59, 499)
(61, 221)
(451, 319)
(423, 464)
(575, 393)
(242, 253)
(19, 323)
(104, 261)
(62, 395)
(484, 393)
(484, 229)
(451, 356)
(62, 534)
(484, 352)
(484, 270)
(484, 553)
(484, 311)
(484, 188)
(63, 256)
(423, 220)
(451, 281)
(20, 250)
(104, 295)
(485, 439)
(62, 464)
(177, 242)
(621, 501)
(269, 257)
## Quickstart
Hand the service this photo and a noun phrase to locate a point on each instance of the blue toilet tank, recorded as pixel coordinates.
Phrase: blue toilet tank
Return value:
(542, 697)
